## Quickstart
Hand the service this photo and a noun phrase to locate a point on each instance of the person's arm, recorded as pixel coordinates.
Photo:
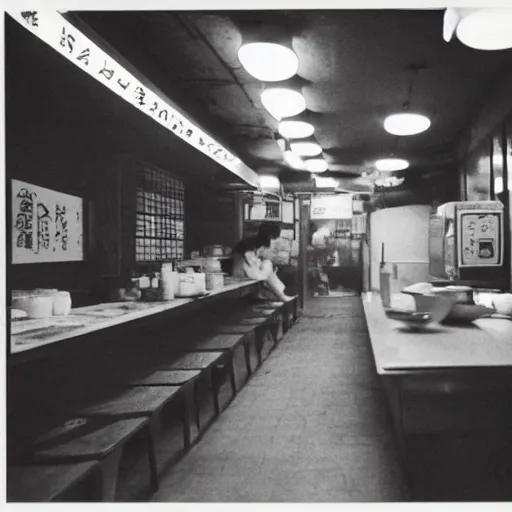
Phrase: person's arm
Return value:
(252, 266)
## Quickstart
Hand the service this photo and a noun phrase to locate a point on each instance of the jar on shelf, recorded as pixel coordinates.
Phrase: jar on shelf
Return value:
(61, 303)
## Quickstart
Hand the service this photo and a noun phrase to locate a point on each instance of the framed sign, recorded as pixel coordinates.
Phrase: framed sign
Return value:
(47, 226)
(480, 238)
(331, 207)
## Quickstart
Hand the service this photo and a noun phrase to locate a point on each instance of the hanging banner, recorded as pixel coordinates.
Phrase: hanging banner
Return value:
(47, 225)
(62, 36)
(331, 207)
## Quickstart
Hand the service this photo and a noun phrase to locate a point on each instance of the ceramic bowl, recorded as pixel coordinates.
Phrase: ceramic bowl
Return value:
(411, 319)
(465, 313)
(437, 306)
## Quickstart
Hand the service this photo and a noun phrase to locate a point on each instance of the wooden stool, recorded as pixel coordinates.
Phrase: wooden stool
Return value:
(229, 343)
(83, 439)
(147, 402)
(184, 380)
(288, 309)
(277, 316)
(262, 327)
(269, 323)
(45, 483)
(210, 362)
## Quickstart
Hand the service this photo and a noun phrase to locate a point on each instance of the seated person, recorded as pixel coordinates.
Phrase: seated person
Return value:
(251, 258)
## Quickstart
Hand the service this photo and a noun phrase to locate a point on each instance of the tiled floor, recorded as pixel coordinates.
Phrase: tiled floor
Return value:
(310, 426)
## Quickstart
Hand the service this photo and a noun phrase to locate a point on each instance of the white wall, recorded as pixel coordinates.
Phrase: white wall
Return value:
(404, 232)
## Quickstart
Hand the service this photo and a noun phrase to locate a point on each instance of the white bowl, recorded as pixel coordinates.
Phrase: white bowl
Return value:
(437, 306)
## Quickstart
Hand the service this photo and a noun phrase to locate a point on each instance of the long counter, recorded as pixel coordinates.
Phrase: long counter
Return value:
(486, 342)
(27, 335)
(445, 378)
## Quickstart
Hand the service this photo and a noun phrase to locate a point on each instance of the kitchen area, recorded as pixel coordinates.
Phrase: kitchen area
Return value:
(130, 180)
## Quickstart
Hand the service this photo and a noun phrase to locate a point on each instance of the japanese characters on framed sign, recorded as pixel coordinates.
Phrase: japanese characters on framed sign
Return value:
(47, 226)
(480, 238)
(52, 28)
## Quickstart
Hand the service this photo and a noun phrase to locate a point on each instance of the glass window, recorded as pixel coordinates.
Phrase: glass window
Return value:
(160, 217)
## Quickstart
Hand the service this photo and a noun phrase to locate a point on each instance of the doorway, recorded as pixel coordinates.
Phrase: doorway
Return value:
(334, 259)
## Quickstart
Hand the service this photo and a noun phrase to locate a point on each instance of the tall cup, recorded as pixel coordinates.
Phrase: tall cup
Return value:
(387, 276)
(168, 280)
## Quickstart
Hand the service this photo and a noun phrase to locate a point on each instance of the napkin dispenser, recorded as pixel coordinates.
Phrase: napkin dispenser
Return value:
(466, 244)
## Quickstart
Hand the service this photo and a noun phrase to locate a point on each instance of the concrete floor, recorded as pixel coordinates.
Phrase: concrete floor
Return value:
(312, 425)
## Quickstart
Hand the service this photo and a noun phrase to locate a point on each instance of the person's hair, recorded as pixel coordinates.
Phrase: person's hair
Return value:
(268, 231)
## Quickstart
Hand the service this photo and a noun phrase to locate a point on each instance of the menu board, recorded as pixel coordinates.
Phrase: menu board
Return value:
(331, 207)
(480, 236)
(46, 225)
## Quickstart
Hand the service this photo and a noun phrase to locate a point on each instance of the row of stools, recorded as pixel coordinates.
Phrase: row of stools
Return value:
(82, 456)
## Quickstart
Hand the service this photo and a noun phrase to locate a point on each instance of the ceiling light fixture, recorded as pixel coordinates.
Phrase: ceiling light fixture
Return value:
(391, 164)
(292, 129)
(269, 182)
(316, 165)
(294, 161)
(268, 62)
(406, 124)
(282, 102)
(306, 148)
(482, 29)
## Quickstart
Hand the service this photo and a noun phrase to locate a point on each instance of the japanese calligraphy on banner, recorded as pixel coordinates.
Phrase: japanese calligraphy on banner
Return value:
(47, 225)
(331, 207)
(63, 37)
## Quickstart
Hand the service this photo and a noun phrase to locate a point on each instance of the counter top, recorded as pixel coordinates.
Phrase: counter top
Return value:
(486, 342)
(34, 333)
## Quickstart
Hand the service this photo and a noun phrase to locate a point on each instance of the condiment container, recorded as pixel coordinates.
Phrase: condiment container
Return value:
(387, 275)
(214, 250)
(144, 282)
(61, 303)
(212, 265)
(214, 280)
(36, 306)
(168, 281)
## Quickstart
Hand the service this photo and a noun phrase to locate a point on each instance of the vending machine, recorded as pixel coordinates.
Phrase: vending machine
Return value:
(466, 244)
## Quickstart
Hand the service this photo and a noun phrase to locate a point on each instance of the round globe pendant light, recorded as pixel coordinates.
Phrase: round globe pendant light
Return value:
(282, 102)
(486, 29)
(268, 62)
(406, 124)
(391, 164)
(308, 148)
(295, 129)
(294, 160)
(316, 165)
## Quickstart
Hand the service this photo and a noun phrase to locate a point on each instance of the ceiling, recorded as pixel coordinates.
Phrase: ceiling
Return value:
(355, 67)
